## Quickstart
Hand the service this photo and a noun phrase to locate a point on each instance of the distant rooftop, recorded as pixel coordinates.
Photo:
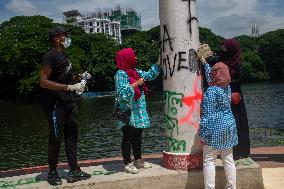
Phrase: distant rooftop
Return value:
(72, 13)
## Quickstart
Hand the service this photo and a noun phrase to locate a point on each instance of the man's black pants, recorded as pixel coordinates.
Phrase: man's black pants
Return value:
(62, 121)
(132, 137)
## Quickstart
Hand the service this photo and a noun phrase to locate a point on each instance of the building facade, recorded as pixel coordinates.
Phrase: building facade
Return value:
(128, 18)
(118, 22)
(94, 23)
(130, 21)
(255, 31)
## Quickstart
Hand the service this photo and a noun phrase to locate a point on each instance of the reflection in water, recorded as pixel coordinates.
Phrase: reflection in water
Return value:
(24, 133)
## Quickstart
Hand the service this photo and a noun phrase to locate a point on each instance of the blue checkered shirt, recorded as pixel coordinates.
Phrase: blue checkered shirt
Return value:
(125, 95)
(217, 126)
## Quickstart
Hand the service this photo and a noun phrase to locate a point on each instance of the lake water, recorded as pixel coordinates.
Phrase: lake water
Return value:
(24, 133)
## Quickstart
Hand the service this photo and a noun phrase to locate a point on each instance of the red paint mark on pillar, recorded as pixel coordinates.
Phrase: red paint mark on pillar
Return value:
(193, 102)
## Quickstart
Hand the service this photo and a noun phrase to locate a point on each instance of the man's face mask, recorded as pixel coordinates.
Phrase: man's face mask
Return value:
(67, 42)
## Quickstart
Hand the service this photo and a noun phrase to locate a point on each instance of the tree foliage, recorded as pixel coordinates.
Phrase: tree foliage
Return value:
(24, 40)
(271, 51)
(97, 57)
(145, 47)
(253, 67)
(207, 36)
(248, 43)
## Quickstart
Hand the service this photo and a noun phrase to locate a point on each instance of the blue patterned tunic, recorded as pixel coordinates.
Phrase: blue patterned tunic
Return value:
(125, 95)
(217, 126)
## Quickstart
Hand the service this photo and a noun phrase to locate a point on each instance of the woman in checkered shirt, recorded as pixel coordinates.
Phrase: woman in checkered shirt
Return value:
(217, 126)
(130, 91)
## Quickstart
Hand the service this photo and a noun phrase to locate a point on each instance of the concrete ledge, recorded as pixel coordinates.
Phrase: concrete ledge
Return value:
(110, 175)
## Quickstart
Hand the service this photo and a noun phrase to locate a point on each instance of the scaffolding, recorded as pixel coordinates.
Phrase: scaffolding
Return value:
(123, 21)
(129, 19)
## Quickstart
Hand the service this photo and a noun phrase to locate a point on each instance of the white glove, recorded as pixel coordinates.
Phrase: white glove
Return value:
(76, 87)
(86, 75)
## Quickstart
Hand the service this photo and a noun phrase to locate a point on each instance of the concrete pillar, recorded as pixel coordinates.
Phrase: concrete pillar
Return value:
(181, 83)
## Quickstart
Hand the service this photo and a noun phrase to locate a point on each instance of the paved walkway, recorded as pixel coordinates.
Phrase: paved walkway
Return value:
(270, 159)
(273, 178)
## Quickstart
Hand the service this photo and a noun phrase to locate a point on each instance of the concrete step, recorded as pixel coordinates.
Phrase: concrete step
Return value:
(110, 175)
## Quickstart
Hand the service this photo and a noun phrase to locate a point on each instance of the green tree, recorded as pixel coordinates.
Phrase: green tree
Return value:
(103, 54)
(253, 67)
(146, 49)
(23, 40)
(271, 51)
(100, 50)
(248, 43)
(213, 40)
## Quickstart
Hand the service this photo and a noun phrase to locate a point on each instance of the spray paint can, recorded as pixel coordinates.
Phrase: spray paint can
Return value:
(85, 76)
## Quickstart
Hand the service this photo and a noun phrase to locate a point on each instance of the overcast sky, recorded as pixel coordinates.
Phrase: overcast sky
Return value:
(227, 18)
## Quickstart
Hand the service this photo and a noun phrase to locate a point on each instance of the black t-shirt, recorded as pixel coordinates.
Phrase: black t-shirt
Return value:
(61, 73)
(61, 66)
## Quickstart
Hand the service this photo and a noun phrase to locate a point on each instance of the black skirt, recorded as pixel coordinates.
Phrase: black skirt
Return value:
(242, 150)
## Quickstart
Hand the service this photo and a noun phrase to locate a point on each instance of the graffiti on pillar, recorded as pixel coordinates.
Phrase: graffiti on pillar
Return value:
(167, 65)
(192, 65)
(193, 103)
(176, 61)
(167, 38)
(171, 123)
(175, 145)
(191, 17)
(180, 61)
(171, 100)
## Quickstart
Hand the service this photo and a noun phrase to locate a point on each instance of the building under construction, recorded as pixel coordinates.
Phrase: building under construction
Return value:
(119, 22)
(130, 21)
(93, 23)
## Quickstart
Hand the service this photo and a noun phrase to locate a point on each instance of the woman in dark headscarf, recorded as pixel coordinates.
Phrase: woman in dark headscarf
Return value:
(231, 55)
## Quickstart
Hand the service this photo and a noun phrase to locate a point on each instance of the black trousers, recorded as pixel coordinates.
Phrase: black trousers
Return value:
(62, 121)
(242, 150)
(132, 137)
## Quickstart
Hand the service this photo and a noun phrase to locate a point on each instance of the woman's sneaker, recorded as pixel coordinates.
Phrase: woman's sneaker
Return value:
(130, 168)
(139, 163)
(53, 178)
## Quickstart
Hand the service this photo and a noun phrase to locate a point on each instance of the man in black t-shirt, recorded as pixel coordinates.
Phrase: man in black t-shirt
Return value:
(57, 81)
